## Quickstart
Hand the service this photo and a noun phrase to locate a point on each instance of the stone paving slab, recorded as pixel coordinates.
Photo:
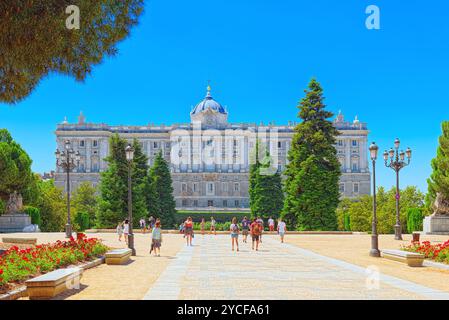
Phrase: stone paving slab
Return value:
(210, 270)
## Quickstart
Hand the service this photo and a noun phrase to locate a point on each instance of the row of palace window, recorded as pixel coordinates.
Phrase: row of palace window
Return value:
(210, 187)
(210, 203)
(340, 143)
(355, 187)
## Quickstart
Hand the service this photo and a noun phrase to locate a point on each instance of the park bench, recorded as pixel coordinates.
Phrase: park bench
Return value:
(53, 283)
(412, 259)
(20, 240)
(118, 256)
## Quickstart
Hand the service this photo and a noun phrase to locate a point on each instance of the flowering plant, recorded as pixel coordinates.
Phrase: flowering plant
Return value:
(18, 265)
(437, 252)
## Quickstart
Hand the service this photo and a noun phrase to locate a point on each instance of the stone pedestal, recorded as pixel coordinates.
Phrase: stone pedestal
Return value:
(436, 224)
(14, 222)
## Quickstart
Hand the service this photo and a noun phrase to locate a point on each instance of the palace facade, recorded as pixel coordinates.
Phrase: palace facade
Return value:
(210, 157)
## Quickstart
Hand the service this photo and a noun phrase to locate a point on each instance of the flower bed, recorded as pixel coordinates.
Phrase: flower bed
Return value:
(437, 252)
(18, 265)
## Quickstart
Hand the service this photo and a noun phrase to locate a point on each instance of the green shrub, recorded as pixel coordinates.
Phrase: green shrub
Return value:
(220, 217)
(34, 213)
(347, 221)
(414, 219)
(82, 219)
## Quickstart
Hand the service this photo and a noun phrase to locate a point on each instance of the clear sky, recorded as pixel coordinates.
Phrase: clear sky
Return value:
(259, 56)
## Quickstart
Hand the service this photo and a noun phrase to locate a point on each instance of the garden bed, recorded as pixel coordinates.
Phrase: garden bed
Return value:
(18, 265)
(436, 252)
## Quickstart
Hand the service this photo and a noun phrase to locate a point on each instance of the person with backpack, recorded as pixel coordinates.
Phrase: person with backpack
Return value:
(245, 228)
(255, 233)
(260, 222)
(234, 233)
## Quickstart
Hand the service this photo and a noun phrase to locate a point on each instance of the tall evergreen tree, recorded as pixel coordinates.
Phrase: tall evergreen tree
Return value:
(253, 172)
(439, 179)
(160, 180)
(268, 195)
(113, 205)
(313, 172)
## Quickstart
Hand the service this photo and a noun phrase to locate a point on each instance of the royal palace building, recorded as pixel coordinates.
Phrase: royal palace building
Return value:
(210, 157)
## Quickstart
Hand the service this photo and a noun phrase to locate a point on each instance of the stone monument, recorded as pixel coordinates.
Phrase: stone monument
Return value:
(14, 220)
(438, 222)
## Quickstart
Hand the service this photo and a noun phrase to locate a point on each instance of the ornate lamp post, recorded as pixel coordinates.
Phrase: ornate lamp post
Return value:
(130, 156)
(373, 149)
(68, 160)
(397, 162)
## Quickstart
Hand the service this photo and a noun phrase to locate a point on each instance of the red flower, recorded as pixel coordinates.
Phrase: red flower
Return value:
(1, 271)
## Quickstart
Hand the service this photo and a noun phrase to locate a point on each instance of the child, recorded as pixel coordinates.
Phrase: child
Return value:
(234, 233)
(156, 239)
(120, 231)
(282, 228)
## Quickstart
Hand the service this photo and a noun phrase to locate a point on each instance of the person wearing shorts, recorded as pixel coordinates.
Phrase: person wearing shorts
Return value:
(245, 228)
(234, 233)
(255, 233)
(282, 228)
(212, 225)
(126, 230)
(260, 222)
(156, 239)
(271, 224)
(202, 225)
(188, 231)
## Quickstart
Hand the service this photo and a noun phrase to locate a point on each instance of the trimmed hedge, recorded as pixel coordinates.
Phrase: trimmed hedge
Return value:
(220, 217)
(82, 219)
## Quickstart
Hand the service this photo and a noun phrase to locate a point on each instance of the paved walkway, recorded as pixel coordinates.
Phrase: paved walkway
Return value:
(210, 270)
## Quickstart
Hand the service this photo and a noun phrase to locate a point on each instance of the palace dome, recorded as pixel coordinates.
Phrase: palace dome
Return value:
(208, 103)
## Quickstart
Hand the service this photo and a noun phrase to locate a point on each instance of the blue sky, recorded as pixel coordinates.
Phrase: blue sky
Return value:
(259, 56)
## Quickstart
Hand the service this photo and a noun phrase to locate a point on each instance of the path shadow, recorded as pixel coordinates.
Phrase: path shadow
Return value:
(66, 294)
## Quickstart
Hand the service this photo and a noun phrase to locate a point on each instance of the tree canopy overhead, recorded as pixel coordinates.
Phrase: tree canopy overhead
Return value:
(34, 39)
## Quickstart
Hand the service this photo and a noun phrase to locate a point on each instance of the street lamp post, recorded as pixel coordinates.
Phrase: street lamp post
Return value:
(130, 156)
(68, 160)
(374, 252)
(396, 163)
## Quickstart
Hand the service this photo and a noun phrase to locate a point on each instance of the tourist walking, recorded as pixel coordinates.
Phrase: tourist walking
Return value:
(245, 228)
(234, 228)
(142, 225)
(120, 231)
(260, 222)
(271, 224)
(188, 230)
(126, 230)
(202, 225)
(156, 239)
(212, 225)
(255, 230)
(151, 223)
(282, 228)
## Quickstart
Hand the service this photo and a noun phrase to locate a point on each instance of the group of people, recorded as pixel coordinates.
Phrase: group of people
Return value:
(254, 228)
(154, 228)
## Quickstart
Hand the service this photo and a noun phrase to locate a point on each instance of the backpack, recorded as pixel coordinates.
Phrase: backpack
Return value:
(235, 228)
(256, 229)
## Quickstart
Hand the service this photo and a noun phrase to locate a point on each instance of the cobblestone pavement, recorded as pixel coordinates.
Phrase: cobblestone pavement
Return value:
(210, 270)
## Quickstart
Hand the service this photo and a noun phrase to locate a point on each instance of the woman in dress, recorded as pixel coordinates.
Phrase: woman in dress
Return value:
(188, 232)
(126, 230)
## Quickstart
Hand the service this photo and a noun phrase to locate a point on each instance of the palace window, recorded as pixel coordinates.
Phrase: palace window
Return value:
(82, 143)
(195, 203)
(210, 188)
(95, 143)
(225, 203)
(341, 187)
(224, 187)
(340, 143)
(184, 187)
(355, 187)
(210, 203)
(155, 145)
(195, 187)
(355, 167)
(237, 203)
(184, 202)
(236, 186)
(354, 143)
(279, 144)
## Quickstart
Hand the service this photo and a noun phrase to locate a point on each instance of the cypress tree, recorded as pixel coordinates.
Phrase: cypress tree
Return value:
(313, 172)
(253, 172)
(438, 183)
(161, 182)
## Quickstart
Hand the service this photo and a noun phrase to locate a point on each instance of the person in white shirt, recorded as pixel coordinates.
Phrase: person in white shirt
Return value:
(126, 230)
(282, 228)
(142, 225)
(271, 224)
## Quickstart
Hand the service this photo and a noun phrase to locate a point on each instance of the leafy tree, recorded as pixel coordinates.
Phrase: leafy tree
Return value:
(15, 166)
(35, 41)
(161, 179)
(439, 179)
(85, 200)
(342, 211)
(52, 206)
(414, 219)
(313, 172)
